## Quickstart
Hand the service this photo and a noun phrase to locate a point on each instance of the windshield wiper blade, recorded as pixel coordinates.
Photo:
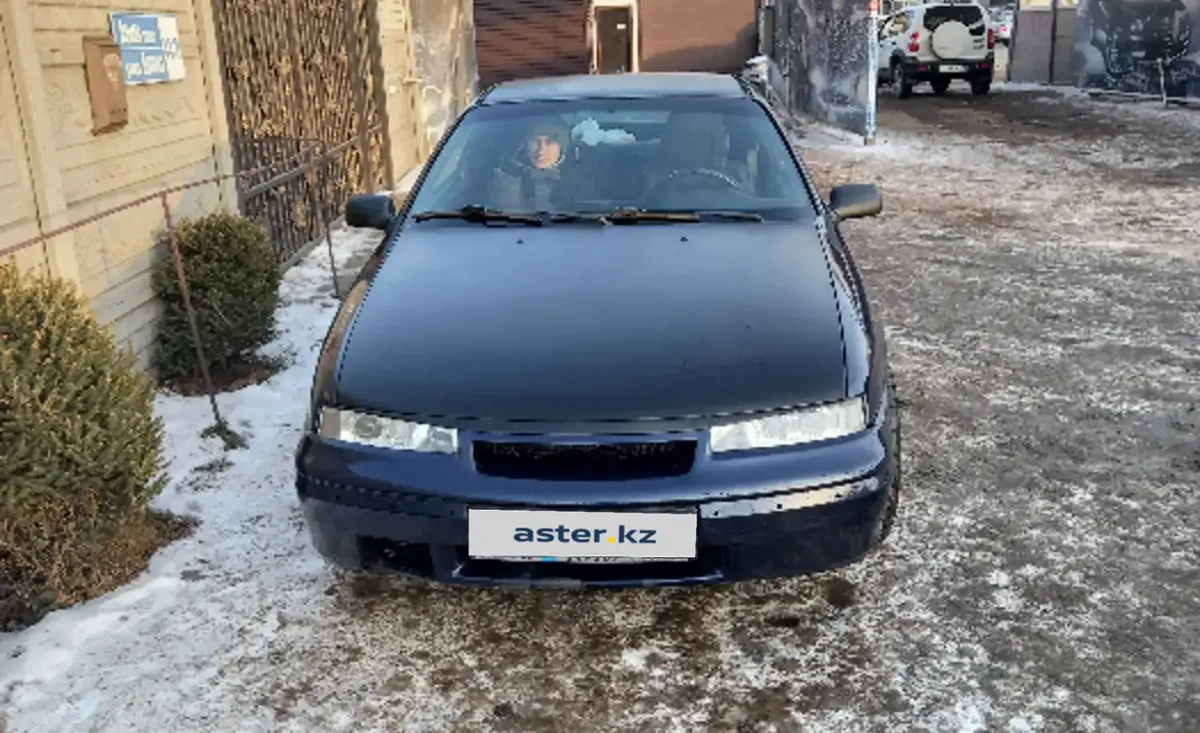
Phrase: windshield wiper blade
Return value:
(480, 215)
(563, 217)
(732, 215)
(633, 216)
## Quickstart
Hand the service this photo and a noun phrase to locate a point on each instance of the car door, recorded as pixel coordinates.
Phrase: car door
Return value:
(891, 33)
(886, 43)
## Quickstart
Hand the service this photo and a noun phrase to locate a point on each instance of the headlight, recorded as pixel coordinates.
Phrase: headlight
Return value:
(382, 432)
(822, 422)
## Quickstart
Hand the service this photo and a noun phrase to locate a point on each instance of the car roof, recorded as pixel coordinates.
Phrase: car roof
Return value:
(640, 85)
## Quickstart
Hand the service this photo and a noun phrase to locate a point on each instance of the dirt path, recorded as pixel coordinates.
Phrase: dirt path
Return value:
(1121, 141)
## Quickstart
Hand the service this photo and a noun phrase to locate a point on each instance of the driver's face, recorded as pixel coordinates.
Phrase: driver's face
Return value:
(544, 151)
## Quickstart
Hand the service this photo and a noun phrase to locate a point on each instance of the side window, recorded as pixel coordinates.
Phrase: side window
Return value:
(452, 154)
(895, 25)
(888, 29)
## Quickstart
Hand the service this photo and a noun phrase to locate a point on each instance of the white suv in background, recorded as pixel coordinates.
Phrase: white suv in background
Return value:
(937, 42)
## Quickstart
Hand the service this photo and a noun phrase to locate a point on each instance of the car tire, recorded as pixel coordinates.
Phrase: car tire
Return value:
(940, 85)
(893, 501)
(901, 87)
(980, 86)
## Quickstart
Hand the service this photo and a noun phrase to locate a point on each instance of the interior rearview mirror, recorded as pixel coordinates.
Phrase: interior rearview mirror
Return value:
(370, 211)
(855, 200)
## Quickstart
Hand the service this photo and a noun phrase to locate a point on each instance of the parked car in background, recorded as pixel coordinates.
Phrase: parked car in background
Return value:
(1002, 22)
(671, 375)
(936, 43)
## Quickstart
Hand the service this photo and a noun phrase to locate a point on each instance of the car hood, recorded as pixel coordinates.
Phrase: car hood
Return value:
(580, 323)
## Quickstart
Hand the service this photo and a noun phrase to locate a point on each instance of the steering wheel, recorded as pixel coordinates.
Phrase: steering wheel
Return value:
(707, 174)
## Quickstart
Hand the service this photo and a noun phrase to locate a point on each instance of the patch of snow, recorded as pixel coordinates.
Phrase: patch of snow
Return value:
(1021, 86)
(635, 659)
(132, 660)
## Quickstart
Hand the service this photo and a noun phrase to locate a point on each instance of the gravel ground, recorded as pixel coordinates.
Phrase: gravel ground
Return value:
(1038, 273)
(1037, 267)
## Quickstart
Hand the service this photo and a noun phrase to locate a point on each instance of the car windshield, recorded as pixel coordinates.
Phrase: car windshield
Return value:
(600, 156)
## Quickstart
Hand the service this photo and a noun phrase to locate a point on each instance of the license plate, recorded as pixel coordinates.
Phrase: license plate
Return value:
(952, 68)
(574, 536)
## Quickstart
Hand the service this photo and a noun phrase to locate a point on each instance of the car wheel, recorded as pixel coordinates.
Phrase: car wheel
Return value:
(901, 86)
(980, 86)
(893, 501)
(940, 84)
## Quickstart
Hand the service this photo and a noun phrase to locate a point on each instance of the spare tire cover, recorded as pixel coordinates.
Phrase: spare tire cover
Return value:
(951, 40)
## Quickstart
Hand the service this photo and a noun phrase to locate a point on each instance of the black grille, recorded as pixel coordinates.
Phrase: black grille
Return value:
(709, 564)
(585, 462)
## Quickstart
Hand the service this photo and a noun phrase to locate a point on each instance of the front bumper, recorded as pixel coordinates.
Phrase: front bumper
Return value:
(773, 515)
(950, 69)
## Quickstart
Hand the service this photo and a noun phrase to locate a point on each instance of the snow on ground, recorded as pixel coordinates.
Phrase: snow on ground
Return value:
(134, 659)
(1042, 311)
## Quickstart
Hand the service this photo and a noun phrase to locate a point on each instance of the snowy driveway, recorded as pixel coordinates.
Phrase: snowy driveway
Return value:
(1043, 305)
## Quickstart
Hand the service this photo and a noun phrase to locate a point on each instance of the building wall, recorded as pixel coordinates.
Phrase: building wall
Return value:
(54, 171)
(444, 52)
(169, 140)
(19, 214)
(405, 129)
(697, 35)
(1030, 56)
(175, 135)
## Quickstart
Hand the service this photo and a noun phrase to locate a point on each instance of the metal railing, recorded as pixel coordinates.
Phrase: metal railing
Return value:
(300, 169)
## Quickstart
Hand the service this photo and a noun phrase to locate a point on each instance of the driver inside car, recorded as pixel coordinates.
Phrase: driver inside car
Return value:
(540, 176)
(695, 146)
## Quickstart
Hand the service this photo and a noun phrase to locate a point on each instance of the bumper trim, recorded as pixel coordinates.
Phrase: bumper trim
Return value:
(788, 502)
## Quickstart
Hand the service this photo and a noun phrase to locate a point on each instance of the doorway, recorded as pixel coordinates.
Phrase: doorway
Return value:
(614, 40)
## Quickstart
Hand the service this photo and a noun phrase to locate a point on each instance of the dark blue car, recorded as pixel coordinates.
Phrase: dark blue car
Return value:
(614, 337)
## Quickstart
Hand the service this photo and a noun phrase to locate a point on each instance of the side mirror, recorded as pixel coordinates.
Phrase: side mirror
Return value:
(370, 211)
(855, 200)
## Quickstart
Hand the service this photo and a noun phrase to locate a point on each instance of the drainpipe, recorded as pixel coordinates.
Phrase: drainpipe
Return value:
(1053, 36)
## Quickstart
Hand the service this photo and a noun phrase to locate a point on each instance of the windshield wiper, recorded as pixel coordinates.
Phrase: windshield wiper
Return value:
(480, 215)
(629, 215)
(632, 215)
(732, 215)
(564, 217)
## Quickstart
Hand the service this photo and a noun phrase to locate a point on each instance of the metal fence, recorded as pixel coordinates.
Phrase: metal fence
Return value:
(302, 169)
(299, 75)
